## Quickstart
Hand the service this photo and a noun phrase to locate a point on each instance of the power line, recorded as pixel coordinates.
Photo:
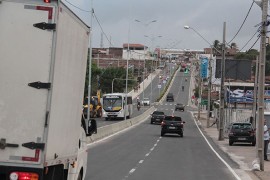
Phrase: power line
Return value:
(242, 23)
(248, 41)
(77, 7)
(255, 42)
(102, 29)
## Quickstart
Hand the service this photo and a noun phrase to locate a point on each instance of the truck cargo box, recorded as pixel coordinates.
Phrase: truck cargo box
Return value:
(43, 53)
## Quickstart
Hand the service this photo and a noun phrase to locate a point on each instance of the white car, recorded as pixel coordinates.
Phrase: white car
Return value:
(146, 102)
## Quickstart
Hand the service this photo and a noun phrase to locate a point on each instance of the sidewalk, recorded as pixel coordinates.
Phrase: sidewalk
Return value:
(242, 155)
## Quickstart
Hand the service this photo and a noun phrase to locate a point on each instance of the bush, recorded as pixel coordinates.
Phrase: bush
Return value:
(167, 86)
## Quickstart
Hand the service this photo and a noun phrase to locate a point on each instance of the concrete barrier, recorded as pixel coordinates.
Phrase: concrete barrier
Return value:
(108, 130)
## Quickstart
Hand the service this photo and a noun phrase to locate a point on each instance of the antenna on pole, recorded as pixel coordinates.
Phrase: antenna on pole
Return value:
(101, 41)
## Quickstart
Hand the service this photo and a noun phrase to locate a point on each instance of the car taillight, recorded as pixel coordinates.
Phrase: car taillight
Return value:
(47, 1)
(252, 133)
(162, 123)
(23, 176)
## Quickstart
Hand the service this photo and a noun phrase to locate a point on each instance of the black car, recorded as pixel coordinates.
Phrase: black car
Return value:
(157, 117)
(242, 132)
(180, 107)
(173, 125)
(170, 97)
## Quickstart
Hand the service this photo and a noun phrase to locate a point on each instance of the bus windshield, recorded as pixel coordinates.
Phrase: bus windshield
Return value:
(112, 103)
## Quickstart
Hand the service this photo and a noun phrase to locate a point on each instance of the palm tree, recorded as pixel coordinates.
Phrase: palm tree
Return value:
(217, 47)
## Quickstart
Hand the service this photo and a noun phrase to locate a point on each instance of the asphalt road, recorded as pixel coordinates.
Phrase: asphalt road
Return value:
(141, 153)
(147, 93)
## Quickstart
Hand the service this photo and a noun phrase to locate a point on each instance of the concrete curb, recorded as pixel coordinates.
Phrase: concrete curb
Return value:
(169, 87)
(106, 131)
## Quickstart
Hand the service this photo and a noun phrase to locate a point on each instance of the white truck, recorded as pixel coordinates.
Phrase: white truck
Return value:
(43, 59)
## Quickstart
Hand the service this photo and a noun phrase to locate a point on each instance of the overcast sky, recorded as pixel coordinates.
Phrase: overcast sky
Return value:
(117, 18)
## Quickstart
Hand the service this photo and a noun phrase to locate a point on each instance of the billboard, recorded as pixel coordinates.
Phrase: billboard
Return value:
(235, 69)
(242, 96)
(204, 67)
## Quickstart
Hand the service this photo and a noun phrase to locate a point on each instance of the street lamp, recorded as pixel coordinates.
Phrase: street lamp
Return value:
(145, 25)
(210, 77)
(152, 40)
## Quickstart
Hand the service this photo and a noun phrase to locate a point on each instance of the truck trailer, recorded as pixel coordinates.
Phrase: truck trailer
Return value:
(43, 59)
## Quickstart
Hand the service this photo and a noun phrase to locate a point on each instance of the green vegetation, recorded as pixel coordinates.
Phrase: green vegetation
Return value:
(167, 86)
(102, 79)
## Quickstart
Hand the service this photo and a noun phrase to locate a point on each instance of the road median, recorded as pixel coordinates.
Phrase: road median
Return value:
(108, 130)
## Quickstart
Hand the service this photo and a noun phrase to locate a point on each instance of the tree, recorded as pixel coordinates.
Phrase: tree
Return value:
(234, 46)
(217, 47)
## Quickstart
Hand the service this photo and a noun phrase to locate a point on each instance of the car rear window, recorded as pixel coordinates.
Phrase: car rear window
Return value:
(173, 118)
(242, 126)
(158, 113)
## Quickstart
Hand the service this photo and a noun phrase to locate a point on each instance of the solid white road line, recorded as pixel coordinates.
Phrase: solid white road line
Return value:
(222, 160)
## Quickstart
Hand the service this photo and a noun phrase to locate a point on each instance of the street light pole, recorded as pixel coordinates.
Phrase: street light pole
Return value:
(209, 88)
(151, 70)
(90, 63)
(145, 25)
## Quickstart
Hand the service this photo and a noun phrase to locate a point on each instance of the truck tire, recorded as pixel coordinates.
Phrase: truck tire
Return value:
(80, 176)
(99, 113)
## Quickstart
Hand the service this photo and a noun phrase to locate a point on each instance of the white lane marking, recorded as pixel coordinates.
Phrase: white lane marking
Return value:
(222, 160)
(141, 161)
(132, 170)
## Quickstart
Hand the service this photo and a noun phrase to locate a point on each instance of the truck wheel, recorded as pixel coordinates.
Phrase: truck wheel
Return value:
(99, 113)
(79, 176)
(162, 133)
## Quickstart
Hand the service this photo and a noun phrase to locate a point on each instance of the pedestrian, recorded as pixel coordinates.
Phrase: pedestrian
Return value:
(266, 140)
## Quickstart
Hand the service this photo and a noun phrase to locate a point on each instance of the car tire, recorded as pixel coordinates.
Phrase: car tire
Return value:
(162, 133)
(181, 134)
(230, 142)
(151, 122)
(253, 143)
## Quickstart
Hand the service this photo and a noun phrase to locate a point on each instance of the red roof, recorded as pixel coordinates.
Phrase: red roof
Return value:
(133, 45)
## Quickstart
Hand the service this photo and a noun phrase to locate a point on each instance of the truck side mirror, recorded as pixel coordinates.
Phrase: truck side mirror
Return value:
(92, 127)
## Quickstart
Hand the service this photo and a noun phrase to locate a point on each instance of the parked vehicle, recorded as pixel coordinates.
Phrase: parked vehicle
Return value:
(242, 132)
(146, 102)
(43, 54)
(172, 125)
(180, 107)
(170, 97)
(157, 117)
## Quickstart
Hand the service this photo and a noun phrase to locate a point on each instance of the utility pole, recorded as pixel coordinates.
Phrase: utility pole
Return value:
(209, 87)
(255, 95)
(222, 89)
(261, 84)
(90, 63)
(199, 91)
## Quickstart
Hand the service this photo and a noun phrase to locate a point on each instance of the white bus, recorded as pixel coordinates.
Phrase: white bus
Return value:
(114, 106)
